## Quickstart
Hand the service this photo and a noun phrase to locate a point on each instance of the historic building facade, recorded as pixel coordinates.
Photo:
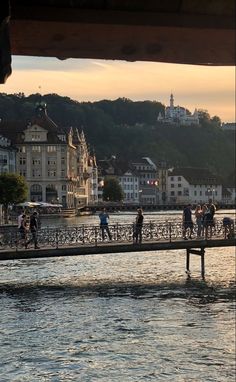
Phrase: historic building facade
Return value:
(129, 182)
(54, 161)
(148, 175)
(7, 156)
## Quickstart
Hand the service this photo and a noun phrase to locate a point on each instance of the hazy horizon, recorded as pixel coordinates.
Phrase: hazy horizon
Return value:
(201, 87)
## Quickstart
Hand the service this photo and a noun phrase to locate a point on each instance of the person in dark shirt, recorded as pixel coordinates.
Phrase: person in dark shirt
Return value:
(187, 221)
(34, 230)
(228, 225)
(138, 227)
(209, 219)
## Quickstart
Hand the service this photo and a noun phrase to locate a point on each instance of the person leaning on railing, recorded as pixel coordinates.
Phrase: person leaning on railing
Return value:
(228, 225)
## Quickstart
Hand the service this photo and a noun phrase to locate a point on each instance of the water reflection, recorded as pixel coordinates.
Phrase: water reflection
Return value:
(122, 217)
(118, 317)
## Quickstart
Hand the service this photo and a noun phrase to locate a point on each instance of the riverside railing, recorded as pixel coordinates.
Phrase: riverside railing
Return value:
(65, 236)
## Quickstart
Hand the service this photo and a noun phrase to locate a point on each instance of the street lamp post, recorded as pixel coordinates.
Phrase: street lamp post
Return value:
(211, 191)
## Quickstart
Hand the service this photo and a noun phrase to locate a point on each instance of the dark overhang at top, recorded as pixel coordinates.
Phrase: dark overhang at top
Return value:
(199, 32)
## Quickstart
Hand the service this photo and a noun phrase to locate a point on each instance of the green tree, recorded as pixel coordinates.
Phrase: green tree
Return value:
(112, 190)
(216, 121)
(13, 189)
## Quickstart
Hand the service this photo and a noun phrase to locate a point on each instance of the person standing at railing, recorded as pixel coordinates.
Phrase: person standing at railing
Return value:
(20, 218)
(187, 221)
(22, 229)
(33, 230)
(199, 219)
(138, 227)
(104, 219)
(209, 219)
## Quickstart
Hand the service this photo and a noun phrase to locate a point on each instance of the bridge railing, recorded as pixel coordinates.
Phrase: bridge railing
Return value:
(152, 231)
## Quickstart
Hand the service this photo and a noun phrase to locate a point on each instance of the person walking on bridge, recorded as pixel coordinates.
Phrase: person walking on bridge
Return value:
(104, 218)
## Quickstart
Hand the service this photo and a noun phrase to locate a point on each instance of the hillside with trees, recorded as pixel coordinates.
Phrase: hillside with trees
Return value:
(130, 129)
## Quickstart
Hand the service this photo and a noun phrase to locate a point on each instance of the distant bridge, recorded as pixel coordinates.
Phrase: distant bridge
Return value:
(113, 207)
(87, 240)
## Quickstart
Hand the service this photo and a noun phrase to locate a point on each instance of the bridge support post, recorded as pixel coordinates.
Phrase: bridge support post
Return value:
(202, 262)
(188, 261)
(199, 252)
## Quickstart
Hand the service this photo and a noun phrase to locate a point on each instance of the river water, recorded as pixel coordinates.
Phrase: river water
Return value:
(118, 317)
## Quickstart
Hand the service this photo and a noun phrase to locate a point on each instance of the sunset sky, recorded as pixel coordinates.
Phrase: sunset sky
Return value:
(211, 88)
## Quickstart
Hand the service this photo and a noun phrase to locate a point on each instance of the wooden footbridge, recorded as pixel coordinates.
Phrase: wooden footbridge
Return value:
(87, 240)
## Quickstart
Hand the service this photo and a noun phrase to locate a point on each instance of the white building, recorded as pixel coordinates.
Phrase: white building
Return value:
(229, 190)
(193, 185)
(7, 156)
(148, 175)
(228, 126)
(129, 182)
(178, 114)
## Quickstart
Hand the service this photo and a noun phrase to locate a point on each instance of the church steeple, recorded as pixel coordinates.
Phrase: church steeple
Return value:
(171, 101)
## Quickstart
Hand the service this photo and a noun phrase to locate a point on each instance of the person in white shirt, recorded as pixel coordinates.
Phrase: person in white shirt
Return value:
(20, 218)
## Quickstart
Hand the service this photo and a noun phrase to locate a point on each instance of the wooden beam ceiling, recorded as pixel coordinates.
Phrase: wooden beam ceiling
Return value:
(187, 32)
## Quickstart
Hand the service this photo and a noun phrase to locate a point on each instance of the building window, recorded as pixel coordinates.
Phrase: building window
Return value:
(186, 192)
(36, 161)
(200, 193)
(179, 193)
(52, 161)
(195, 193)
(179, 178)
(36, 173)
(35, 137)
(172, 193)
(22, 149)
(22, 161)
(51, 149)
(172, 185)
(36, 149)
(51, 173)
(63, 187)
(179, 185)
(172, 178)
